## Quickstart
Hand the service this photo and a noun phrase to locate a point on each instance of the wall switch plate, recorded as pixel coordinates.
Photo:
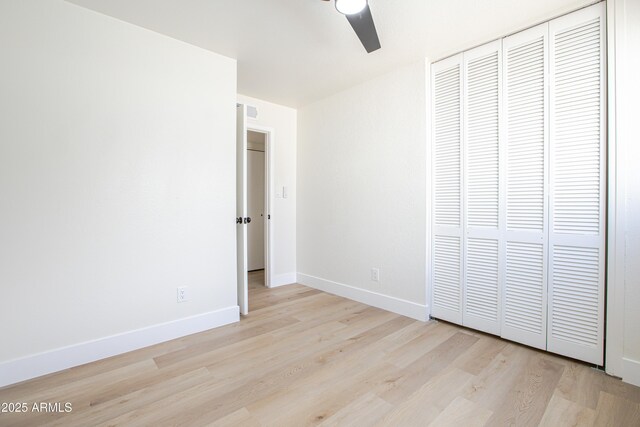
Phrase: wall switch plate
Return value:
(375, 274)
(183, 294)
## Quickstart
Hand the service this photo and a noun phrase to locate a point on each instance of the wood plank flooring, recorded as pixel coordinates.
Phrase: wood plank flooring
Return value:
(304, 357)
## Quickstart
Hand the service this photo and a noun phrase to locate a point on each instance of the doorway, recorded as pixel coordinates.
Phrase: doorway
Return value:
(254, 196)
(256, 208)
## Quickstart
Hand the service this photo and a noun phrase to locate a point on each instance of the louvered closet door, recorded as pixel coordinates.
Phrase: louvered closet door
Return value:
(524, 143)
(576, 239)
(482, 254)
(447, 195)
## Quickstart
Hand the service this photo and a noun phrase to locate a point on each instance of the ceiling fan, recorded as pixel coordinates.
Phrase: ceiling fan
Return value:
(359, 16)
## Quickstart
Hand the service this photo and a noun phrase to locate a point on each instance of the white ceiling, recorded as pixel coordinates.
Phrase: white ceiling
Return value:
(293, 52)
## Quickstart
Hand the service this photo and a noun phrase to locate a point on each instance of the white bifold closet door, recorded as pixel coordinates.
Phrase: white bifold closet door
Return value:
(577, 177)
(446, 281)
(519, 186)
(482, 255)
(466, 226)
(525, 152)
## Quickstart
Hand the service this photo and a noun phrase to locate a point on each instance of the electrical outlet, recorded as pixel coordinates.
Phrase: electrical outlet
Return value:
(375, 274)
(183, 294)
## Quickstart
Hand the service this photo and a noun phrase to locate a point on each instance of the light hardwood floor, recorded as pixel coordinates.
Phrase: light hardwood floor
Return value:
(304, 357)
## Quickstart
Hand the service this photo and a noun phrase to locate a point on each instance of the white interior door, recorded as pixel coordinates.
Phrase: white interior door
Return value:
(577, 177)
(241, 208)
(255, 207)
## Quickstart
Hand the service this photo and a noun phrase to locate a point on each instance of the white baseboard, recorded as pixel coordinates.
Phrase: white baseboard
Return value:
(36, 365)
(631, 371)
(283, 279)
(385, 302)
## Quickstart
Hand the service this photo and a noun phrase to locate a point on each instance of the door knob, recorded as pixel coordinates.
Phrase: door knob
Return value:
(239, 220)
(247, 220)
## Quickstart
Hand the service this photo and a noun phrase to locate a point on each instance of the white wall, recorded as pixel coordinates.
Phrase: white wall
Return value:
(362, 192)
(117, 150)
(623, 332)
(283, 121)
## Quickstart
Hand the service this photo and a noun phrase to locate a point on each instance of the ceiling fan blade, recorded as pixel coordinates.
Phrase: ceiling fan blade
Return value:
(362, 24)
